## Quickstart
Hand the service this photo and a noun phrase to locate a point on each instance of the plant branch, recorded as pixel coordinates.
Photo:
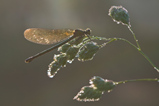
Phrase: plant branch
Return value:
(139, 48)
(122, 39)
(135, 80)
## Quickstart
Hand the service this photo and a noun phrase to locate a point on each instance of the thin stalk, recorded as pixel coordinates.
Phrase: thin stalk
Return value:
(149, 61)
(135, 38)
(139, 49)
(141, 53)
(114, 39)
(135, 80)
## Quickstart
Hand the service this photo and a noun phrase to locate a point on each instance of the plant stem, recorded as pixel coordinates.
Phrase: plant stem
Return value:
(149, 61)
(139, 49)
(134, 37)
(114, 39)
(135, 80)
(141, 53)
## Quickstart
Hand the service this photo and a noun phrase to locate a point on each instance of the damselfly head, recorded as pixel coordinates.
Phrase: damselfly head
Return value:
(80, 32)
(87, 31)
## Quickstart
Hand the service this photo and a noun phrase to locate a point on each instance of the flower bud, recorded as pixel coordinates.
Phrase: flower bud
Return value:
(53, 68)
(101, 84)
(71, 53)
(88, 93)
(88, 51)
(61, 59)
(120, 15)
(64, 48)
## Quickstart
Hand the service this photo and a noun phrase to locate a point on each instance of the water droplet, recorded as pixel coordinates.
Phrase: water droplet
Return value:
(49, 74)
(70, 61)
(156, 69)
(109, 91)
(118, 22)
(90, 82)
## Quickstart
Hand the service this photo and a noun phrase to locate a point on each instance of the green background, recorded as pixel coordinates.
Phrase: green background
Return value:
(24, 84)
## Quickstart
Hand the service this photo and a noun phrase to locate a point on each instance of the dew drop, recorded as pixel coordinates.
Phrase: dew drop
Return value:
(109, 91)
(70, 61)
(49, 74)
(156, 69)
(118, 22)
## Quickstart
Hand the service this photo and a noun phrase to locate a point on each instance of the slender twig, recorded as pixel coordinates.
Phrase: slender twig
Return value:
(139, 48)
(135, 80)
(136, 47)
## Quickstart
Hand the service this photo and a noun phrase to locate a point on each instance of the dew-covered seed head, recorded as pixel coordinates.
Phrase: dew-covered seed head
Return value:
(120, 15)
